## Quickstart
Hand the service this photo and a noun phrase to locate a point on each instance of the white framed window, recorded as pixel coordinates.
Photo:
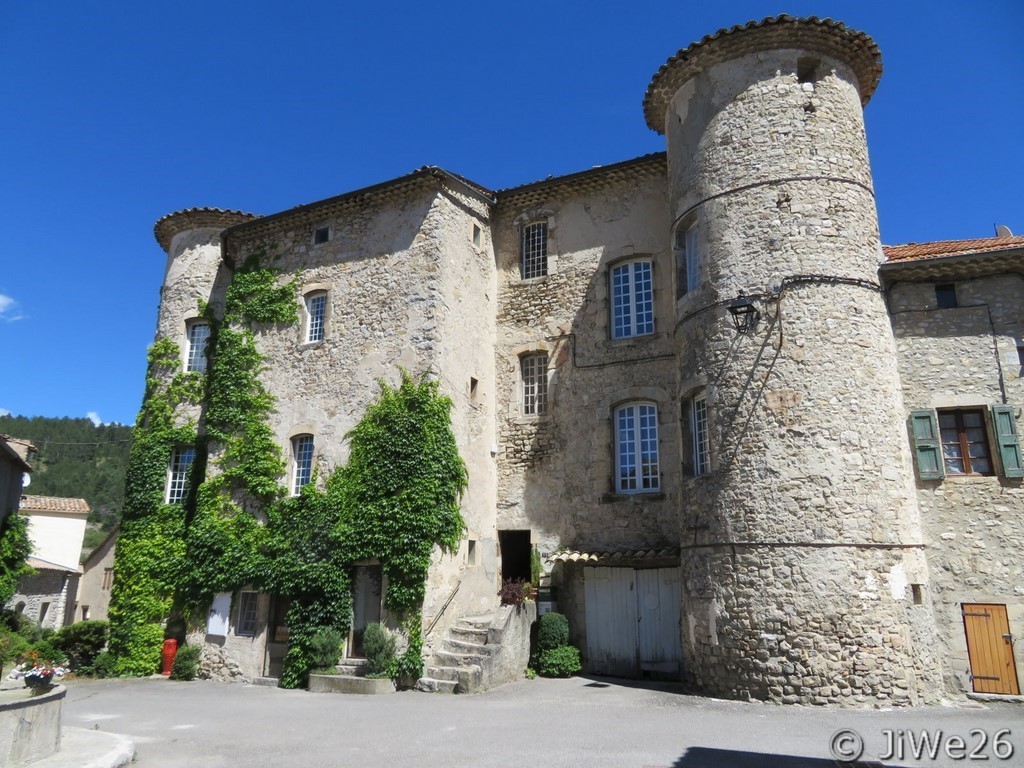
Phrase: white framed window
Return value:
(177, 475)
(533, 250)
(198, 341)
(302, 462)
(316, 316)
(636, 448)
(533, 370)
(688, 267)
(632, 300)
(699, 430)
(245, 626)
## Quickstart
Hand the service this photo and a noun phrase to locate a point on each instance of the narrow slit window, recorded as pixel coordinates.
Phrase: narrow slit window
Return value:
(701, 442)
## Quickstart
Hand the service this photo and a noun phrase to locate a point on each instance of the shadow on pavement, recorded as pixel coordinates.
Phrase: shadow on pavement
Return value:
(706, 757)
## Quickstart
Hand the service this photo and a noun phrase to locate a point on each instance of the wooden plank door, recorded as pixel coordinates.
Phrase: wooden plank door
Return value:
(610, 595)
(658, 614)
(990, 649)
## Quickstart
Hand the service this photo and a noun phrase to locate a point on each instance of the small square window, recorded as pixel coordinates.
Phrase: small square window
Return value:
(321, 235)
(945, 296)
(534, 250)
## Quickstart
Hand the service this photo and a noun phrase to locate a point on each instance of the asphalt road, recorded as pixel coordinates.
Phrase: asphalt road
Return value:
(532, 723)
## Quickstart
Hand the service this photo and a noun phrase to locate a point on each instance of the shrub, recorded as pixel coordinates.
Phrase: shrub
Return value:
(103, 665)
(563, 661)
(379, 647)
(552, 631)
(536, 568)
(186, 663)
(82, 642)
(513, 591)
(47, 651)
(325, 648)
(12, 645)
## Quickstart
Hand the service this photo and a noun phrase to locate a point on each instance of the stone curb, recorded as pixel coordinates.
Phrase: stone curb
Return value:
(82, 748)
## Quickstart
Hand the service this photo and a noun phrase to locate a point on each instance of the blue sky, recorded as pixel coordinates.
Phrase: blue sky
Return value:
(117, 113)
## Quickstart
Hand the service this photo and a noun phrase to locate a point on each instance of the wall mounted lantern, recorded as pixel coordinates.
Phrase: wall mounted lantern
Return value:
(745, 315)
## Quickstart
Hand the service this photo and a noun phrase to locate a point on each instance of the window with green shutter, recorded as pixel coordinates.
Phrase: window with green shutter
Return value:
(1004, 426)
(927, 448)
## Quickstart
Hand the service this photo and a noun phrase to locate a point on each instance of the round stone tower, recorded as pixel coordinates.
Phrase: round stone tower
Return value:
(804, 578)
(191, 239)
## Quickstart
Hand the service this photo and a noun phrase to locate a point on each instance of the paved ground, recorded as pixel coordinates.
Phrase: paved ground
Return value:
(532, 723)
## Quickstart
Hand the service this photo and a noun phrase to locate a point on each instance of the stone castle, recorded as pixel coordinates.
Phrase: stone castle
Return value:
(757, 450)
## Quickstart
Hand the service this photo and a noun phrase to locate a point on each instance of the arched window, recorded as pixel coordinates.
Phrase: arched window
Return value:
(316, 316)
(636, 448)
(302, 462)
(632, 288)
(198, 333)
(533, 375)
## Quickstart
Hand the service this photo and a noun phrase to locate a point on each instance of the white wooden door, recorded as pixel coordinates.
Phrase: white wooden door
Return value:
(658, 615)
(632, 621)
(610, 595)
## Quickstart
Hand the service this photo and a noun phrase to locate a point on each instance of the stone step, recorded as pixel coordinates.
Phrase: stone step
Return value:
(270, 682)
(450, 659)
(352, 667)
(460, 646)
(433, 685)
(476, 622)
(438, 672)
(469, 634)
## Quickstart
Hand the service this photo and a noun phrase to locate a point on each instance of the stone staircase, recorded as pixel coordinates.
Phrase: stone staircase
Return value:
(465, 654)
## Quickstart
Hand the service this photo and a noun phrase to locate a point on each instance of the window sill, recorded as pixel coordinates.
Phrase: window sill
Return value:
(311, 345)
(637, 340)
(639, 496)
(534, 280)
(532, 420)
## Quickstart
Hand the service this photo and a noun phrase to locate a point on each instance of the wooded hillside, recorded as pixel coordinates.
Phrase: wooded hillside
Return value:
(77, 459)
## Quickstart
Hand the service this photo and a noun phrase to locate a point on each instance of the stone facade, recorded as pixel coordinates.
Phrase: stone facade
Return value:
(609, 411)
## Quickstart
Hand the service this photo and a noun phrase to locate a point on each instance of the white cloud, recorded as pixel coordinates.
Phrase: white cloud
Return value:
(4, 412)
(94, 418)
(9, 310)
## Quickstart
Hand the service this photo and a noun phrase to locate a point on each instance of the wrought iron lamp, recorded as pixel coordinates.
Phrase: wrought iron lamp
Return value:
(745, 315)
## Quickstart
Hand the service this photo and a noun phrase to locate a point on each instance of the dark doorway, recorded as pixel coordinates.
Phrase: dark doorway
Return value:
(515, 554)
(366, 604)
(277, 636)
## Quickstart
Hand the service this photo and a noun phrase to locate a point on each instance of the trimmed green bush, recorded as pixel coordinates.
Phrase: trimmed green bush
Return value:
(552, 631)
(82, 642)
(379, 647)
(186, 663)
(563, 661)
(49, 652)
(325, 648)
(103, 665)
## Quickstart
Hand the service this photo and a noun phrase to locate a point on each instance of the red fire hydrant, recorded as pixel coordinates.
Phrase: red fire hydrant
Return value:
(169, 652)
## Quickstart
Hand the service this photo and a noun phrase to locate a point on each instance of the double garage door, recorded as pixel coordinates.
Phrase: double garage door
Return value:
(632, 622)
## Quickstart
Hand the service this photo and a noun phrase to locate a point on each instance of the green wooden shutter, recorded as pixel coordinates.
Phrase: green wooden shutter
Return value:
(1004, 424)
(927, 447)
